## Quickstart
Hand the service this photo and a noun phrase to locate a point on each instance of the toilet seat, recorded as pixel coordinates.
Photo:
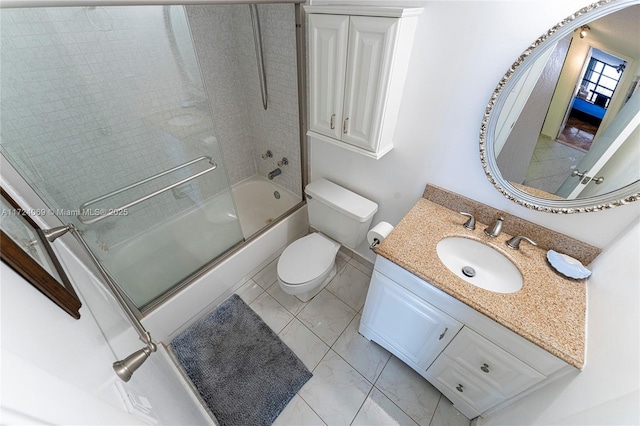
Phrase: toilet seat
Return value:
(306, 259)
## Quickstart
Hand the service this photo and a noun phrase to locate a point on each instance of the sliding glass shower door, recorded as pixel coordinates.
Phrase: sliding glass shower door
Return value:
(104, 113)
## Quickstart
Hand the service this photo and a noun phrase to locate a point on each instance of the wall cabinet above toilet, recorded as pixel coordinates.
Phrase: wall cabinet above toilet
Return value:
(358, 59)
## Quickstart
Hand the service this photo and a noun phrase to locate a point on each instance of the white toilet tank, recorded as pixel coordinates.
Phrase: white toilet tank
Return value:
(339, 213)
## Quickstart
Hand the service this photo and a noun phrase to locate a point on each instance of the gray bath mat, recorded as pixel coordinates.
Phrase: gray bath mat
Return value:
(241, 368)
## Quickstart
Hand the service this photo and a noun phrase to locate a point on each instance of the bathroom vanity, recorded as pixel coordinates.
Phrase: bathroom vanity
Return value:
(481, 349)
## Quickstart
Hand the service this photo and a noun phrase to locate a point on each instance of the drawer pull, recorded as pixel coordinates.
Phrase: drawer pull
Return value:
(345, 125)
(443, 333)
(333, 121)
(460, 388)
(485, 368)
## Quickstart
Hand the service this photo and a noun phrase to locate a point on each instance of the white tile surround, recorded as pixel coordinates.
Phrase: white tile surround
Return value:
(355, 381)
(84, 95)
(223, 37)
(87, 94)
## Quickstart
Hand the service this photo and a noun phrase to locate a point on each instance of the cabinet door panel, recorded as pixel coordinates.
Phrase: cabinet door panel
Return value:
(371, 42)
(328, 36)
(413, 327)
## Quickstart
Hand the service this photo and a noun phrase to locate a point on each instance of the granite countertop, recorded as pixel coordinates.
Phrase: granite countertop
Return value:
(549, 310)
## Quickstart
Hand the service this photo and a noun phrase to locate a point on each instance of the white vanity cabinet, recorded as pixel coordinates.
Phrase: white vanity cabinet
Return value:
(358, 58)
(478, 364)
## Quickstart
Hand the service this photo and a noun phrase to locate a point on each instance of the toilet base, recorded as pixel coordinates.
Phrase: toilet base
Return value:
(309, 294)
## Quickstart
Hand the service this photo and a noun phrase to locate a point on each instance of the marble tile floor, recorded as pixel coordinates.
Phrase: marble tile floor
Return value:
(552, 162)
(355, 381)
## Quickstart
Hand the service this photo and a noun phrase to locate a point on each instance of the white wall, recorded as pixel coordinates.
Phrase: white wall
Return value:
(461, 51)
(607, 391)
(68, 359)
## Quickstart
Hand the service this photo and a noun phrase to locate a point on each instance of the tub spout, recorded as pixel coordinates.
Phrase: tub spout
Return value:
(274, 173)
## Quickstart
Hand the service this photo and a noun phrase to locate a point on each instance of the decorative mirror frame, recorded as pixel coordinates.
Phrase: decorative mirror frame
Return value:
(619, 197)
(61, 291)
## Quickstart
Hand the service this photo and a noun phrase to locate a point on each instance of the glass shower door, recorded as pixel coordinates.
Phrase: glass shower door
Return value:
(104, 113)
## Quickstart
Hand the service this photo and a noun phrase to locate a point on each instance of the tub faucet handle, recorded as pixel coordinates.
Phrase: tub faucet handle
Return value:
(283, 162)
(495, 230)
(514, 242)
(470, 224)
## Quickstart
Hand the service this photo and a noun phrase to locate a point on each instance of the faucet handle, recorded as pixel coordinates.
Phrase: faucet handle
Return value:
(471, 223)
(514, 242)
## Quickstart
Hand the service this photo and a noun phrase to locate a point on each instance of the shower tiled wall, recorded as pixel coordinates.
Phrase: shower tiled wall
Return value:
(224, 41)
(86, 95)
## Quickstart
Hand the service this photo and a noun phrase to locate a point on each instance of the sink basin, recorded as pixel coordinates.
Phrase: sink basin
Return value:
(479, 264)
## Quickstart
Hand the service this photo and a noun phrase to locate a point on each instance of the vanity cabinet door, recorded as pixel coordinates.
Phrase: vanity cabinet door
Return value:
(405, 324)
(328, 36)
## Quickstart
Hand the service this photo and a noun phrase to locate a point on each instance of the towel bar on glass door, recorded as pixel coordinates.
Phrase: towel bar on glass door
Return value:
(112, 212)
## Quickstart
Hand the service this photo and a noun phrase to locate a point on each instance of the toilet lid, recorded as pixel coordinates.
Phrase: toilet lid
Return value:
(306, 259)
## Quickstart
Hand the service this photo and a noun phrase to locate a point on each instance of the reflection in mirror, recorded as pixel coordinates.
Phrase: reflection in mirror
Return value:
(565, 127)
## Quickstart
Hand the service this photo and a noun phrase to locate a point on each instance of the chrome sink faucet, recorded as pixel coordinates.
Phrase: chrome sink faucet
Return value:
(496, 229)
(514, 242)
(470, 224)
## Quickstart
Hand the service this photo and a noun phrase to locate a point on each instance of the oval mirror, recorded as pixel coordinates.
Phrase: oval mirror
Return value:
(561, 132)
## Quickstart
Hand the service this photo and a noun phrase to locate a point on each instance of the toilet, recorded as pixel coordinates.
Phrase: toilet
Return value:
(341, 217)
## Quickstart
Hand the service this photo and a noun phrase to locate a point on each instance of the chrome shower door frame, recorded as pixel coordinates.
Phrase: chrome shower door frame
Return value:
(301, 55)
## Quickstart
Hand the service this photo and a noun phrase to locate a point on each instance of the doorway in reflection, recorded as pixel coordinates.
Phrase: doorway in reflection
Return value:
(594, 89)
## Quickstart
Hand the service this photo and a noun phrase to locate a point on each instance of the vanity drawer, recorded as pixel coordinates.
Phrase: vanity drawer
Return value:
(468, 393)
(491, 364)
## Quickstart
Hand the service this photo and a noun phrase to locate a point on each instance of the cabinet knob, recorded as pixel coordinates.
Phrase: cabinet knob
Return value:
(460, 388)
(485, 368)
(443, 333)
(345, 125)
(333, 121)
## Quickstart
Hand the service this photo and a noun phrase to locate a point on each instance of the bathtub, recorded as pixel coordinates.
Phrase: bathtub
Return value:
(188, 247)
(259, 201)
